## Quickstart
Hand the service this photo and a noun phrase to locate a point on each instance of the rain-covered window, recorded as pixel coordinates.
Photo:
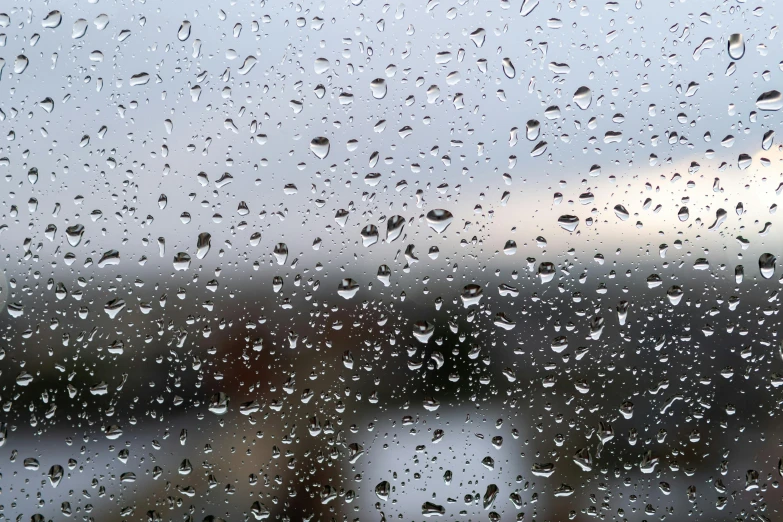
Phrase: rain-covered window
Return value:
(342, 261)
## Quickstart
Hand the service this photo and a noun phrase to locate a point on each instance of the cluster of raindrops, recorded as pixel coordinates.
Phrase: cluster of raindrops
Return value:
(367, 261)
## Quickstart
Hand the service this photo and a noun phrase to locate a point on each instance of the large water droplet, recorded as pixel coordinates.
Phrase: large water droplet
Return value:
(736, 46)
(674, 294)
(423, 330)
(568, 222)
(770, 101)
(247, 65)
(321, 65)
(439, 220)
(109, 258)
(382, 490)
(55, 475)
(281, 253)
(583, 97)
(527, 7)
(52, 20)
(478, 36)
(347, 288)
(369, 235)
(320, 147)
(218, 403)
(79, 28)
(430, 509)
(490, 495)
(203, 244)
(20, 64)
(532, 129)
(546, 271)
(74, 234)
(184, 31)
(378, 88)
(767, 265)
(139, 79)
(394, 228)
(182, 261)
(471, 295)
(621, 212)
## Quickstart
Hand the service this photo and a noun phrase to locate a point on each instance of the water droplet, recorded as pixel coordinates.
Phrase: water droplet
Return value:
(55, 475)
(247, 65)
(430, 509)
(15, 310)
(281, 253)
(101, 21)
(508, 68)
(320, 147)
(720, 218)
(532, 130)
(770, 101)
(378, 88)
(139, 79)
(546, 271)
(109, 258)
(383, 490)
(20, 64)
(347, 288)
(439, 220)
(583, 97)
(769, 137)
(47, 104)
(74, 233)
(203, 244)
(527, 7)
(321, 65)
(24, 379)
(384, 275)
(184, 31)
(394, 228)
(52, 20)
(674, 294)
(478, 36)
(423, 330)
(767, 265)
(218, 403)
(736, 46)
(490, 495)
(181, 261)
(471, 295)
(185, 467)
(114, 307)
(79, 28)
(568, 222)
(370, 235)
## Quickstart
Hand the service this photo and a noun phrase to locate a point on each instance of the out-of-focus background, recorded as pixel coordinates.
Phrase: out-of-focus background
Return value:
(364, 261)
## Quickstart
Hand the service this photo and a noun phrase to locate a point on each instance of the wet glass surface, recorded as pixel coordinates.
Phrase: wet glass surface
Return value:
(362, 261)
